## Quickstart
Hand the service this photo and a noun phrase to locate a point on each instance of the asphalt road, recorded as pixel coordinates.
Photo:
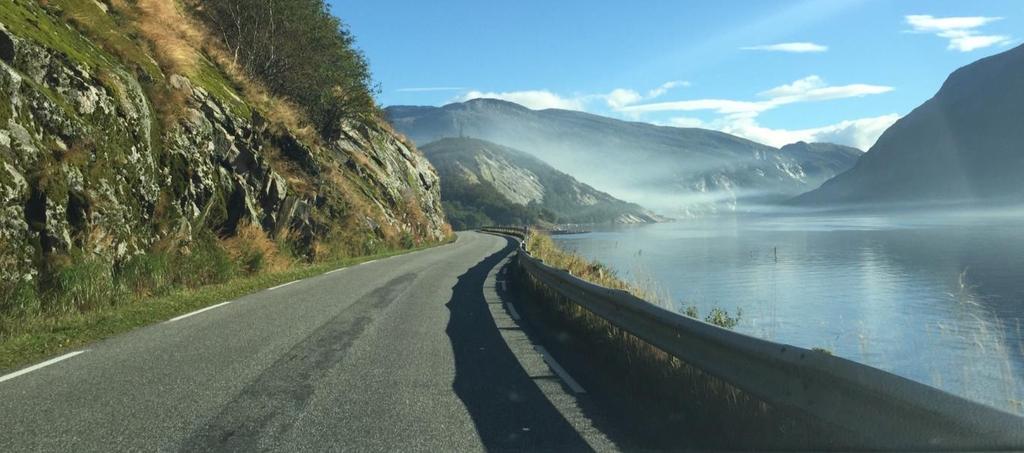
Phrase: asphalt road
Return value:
(419, 352)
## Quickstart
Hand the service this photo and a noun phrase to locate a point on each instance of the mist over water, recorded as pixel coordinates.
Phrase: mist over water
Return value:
(937, 299)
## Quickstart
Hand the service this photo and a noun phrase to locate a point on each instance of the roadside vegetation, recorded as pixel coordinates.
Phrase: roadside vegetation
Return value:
(295, 69)
(272, 41)
(543, 247)
(671, 398)
(91, 301)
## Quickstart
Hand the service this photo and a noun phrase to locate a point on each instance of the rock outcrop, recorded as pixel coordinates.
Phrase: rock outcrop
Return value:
(472, 169)
(93, 161)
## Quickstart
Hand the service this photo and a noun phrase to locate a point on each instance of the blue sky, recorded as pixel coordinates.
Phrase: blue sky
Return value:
(771, 71)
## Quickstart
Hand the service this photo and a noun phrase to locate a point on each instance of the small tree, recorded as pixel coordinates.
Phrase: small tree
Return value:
(298, 50)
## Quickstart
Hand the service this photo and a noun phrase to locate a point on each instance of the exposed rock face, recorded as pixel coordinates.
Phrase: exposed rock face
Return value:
(86, 164)
(523, 180)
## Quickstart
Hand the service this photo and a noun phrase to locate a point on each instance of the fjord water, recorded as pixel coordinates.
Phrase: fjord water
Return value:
(936, 299)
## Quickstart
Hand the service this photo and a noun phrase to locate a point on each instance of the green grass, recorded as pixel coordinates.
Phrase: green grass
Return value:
(27, 19)
(207, 76)
(38, 336)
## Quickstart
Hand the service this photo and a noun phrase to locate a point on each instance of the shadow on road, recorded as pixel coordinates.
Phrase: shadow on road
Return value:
(509, 411)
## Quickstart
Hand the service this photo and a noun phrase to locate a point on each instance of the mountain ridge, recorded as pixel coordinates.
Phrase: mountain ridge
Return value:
(962, 144)
(473, 172)
(678, 172)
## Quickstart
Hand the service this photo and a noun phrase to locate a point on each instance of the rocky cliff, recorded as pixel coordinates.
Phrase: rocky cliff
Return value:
(106, 154)
(522, 180)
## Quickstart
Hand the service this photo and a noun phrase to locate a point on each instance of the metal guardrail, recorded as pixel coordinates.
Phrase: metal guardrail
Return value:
(861, 407)
(520, 232)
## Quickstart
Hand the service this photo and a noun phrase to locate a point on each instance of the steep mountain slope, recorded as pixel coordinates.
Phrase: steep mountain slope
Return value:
(107, 156)
(518, 179)
(677, 171)
(965, 143)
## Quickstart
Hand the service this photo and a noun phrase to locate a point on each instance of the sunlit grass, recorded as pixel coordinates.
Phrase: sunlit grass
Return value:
(96, 303)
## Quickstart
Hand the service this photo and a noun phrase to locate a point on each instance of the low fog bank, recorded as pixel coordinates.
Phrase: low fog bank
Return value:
(677, 172)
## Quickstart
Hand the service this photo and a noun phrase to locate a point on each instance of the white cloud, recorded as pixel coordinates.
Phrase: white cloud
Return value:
(807, 89)
(813, 88)
(739, 117)
(621, 97)
(860, 133)
(617, 99)
(792, 47)
(665, 87)
(811, 82)
(532, 99)
(926, 23)
(961, 32)
(967, 42)
(736, 117)
(721, 106)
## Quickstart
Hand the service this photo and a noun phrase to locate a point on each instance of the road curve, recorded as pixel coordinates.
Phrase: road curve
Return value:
(415, 352)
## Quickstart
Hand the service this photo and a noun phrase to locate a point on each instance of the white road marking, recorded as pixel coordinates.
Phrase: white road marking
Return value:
(573, 385)
(336, 270)
(512, 311)
(41, 365)
(368, 262)
(211, 307)
(283, 285)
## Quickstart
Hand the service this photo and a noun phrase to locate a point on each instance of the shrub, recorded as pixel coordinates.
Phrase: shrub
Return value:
(298, 50)
(692, 312)
(204, 263)
(146, 274)
(721, 318)
(254, 251)
(407, 241)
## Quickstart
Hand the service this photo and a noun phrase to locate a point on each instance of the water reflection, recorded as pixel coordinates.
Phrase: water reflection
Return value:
(935, 299)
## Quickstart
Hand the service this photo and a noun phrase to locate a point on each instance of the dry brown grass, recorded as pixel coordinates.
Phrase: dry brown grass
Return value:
(179, 41)
(172, 32)
(252, 248)
(543, 247)
(415, 216)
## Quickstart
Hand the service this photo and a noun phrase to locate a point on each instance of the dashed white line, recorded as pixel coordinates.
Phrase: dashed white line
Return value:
(211, 307)
(283, 285)
(368, 262)
(512, 311)
(336, 270)
(41, 365)
(562, 374)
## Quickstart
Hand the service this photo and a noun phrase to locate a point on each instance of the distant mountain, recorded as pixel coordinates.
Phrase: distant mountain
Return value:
(482, 182)
(676, 171)
(964, 144)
